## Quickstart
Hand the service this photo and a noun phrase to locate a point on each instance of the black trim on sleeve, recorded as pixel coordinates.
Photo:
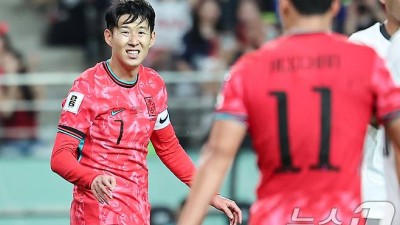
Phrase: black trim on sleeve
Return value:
(390, 116)
(71, 131)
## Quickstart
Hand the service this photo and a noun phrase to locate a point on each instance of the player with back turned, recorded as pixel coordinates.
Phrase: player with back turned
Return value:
(111, 113)
(306, 99)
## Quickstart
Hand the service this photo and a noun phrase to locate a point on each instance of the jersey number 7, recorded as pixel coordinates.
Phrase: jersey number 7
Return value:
(121, 130)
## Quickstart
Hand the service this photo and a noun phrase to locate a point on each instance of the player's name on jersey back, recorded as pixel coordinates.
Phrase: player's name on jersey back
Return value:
(308, 62)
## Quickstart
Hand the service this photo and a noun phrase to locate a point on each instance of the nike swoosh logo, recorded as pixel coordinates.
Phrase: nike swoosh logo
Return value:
(113, 113)
(165, 119)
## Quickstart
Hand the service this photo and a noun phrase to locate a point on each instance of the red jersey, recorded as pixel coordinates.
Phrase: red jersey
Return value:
(115, 119)
(307, 100)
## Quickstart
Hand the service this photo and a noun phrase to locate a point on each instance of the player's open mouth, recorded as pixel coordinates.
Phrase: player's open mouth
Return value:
(133, 53)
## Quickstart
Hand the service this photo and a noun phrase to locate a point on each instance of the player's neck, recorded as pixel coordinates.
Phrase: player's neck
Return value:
(391, 27)
(309, 24)
(123, 73)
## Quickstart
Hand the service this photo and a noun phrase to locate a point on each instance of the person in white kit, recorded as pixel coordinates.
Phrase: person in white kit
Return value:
(379, 178)
(393, 62)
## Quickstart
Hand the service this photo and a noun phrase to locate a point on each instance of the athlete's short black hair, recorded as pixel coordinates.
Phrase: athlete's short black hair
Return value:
(312, 7)
(136, 9)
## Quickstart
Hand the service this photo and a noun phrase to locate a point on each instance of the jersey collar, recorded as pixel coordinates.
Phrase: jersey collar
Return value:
(125, 84)
(384, 32)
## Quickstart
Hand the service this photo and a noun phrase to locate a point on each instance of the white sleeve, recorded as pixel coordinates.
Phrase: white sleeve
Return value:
(393, 58)
(162, 120)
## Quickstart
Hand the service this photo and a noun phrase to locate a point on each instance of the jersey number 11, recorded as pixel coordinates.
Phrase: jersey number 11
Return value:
(286, 161)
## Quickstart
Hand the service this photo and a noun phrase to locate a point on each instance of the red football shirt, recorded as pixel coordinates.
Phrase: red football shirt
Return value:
(307, 100)
(115, 119)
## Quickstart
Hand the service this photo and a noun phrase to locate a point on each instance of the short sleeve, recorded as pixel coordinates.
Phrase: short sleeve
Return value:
(159, 92)
(231, 100)
(163, 99)
(75, 116)
(162, 114)
(387, 92)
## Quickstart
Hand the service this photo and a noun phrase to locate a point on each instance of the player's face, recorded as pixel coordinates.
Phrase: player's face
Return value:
(130, 42)
(209, 11)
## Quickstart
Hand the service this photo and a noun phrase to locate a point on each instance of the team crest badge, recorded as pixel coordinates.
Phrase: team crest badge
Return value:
(151, 106)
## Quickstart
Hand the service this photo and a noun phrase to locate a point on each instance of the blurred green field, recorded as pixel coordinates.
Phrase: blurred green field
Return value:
(29, 184)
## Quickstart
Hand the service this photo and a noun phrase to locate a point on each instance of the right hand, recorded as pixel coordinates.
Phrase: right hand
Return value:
(102, 187)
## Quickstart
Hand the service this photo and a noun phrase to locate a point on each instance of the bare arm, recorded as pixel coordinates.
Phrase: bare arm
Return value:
(175, 158)
(172, 154)
(219, 153)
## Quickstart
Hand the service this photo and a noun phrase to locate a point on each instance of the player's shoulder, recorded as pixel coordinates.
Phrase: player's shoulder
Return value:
(86, 80)
(366, 36)
(90, 72)
(352, 48)
(260, 54)
(150, 74)
(245, 62)
(360, 50)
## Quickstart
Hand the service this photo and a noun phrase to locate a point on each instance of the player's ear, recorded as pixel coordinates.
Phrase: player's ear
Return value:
(382, 1)
(152, 38)
(108, 37)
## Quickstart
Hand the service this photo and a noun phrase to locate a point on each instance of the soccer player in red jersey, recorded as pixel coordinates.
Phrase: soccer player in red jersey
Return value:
(111, 113)
(306, 99)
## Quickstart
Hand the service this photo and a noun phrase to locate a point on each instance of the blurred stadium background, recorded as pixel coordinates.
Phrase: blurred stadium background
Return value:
(53, 41)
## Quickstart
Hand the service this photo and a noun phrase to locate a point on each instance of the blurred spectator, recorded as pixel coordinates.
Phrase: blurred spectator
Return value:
(67, 24)
(362, 14)
(75, 23)
(18, 126)
(340, 19)
(202, 42)
(96, 49)
(41, 5)
(172, 22)
(266, 5)
(202, 51)
(5, 45)
(250, 31)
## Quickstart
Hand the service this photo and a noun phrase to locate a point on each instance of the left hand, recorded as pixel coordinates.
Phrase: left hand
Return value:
(229, 207)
